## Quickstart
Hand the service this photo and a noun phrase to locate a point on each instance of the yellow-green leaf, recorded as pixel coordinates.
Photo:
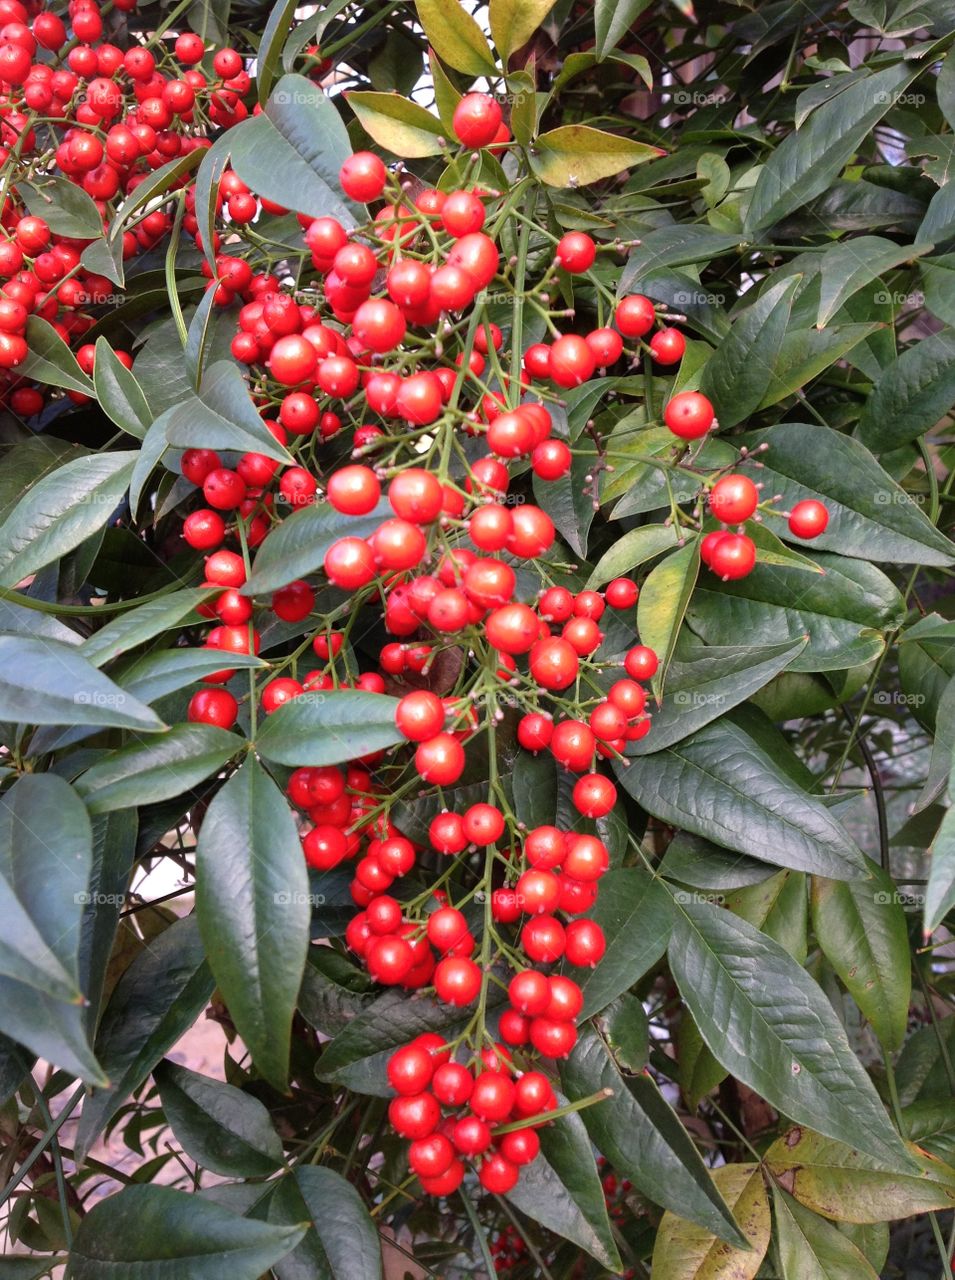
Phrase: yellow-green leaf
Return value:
(513, 22)
(662, 605)
(399, 125)
(446, 97)
(456, 37)
(575, 155)
(686, 1251)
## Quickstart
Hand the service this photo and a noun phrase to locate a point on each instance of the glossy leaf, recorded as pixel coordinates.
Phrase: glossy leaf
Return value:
(222, 416)
(60, 511)
(739, 373)
(772, 1027)
(159, 768)
(613, 20)
(861, 928)
(719, 783)
(643, 1139)
(633, 549)
(912, 394)
(165, 671)
(685, 1251)
(142, 623)
(329, 728)
(64, 206)
(170, 1234)
(342, 1240)
(635, 913)
(222, 1128)
(561, 1190)
(940, 889)
(50, 360)
(662, 605)
(253, 907)
(298, 545)
(46, 682)
(851, 264)
(513, 22)
(119, 394)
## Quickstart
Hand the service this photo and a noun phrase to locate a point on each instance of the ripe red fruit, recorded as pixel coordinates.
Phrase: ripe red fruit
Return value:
(419, 715)
(733, 499)
(554, 663)
(476, 119)
(522, 1146)
(635, 316)
(203, 529)
(223, 489)
(622, 593)
(512, 628)
(471, 1135)
(668, 346)
(576, 251)
(213, 706)
(573, 745)
(733, 556)
(529, 992)
(410, 1069)
(571, 361)
(457, 980)
(432, 1156)
(363, 176)
(808, 519)
(689, 415)
(452, 1084)
(415, 1115)
(483, 824)
(353, 490)
(378, 325)
(585, 943)
(594, 795)
(553, 1037)
(416, 495)
(492, 1096)
(498, 1174)
(294, 602)
(641, 663)
(440, 760)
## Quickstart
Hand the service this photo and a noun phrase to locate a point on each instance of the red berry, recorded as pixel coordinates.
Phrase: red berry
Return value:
(808, 519)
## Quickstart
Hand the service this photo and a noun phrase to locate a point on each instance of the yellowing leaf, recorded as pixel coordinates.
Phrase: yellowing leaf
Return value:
(513, 22)
(685, 1251)
(399, 125)
(575, 155)
(456, 37)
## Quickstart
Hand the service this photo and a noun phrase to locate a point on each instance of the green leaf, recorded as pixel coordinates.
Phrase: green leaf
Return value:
(45, 682)
(329, 728)
(114, 853)
(358, 1055)
(143, 623)
(298, 545)
(60, 511)
(931, 1125)
(636, 916)
(940, 890)
(399, 125)
(119, 394)
(861, 928)
(254, 911)
(50, 360)
(221, 1127)
(165, 766)
(269, 52)
(292, 152)
(771, 1026)
(805, 163)
(850, 265)
(643, 1139)
(156, 184)
(912, 394)
(870, 516)
(574, 155)
(811, 1248)
(105, 258)
(719, 783)
(945, 90)
(709, 683)
(171, 1235)
(698, 1070)
(156, 674)
(513, 22)
(221, 415)
(844, 1182)
(662, 605)
(738, 374)
(15, 1267)
(844, 613)
(342, 1242)
(64, 206)
(805, 353)
(684, 1251)
(561, 1190)
(46, 851)
(455, 37)
(631, 550)
(155, 1001)
(613, 20)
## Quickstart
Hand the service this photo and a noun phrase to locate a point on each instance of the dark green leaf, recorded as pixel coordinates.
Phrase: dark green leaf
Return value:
(119, 394)
(114, 853)
(162, 767)
(912, 394)
(771, 1026)
(810, 1248)
(342, 1241)
(220, 1127)
(719, 783)
(738, 375)
(253, 906)
(561, 1190)
(64, 206)
(156, 674)
(298, 545)
(44, 682)
(50, 360)
(631, 550)
(222, 416)
(172, 1235)
(329, 728)
(569, 503)
(643, 1139)
(613, 20)
(143, 623)
(940, 890)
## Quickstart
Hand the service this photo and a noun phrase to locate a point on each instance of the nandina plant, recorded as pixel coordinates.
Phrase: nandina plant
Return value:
(473, 554)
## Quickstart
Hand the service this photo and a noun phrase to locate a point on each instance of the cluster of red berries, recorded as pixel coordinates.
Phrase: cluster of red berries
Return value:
(733, 500)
